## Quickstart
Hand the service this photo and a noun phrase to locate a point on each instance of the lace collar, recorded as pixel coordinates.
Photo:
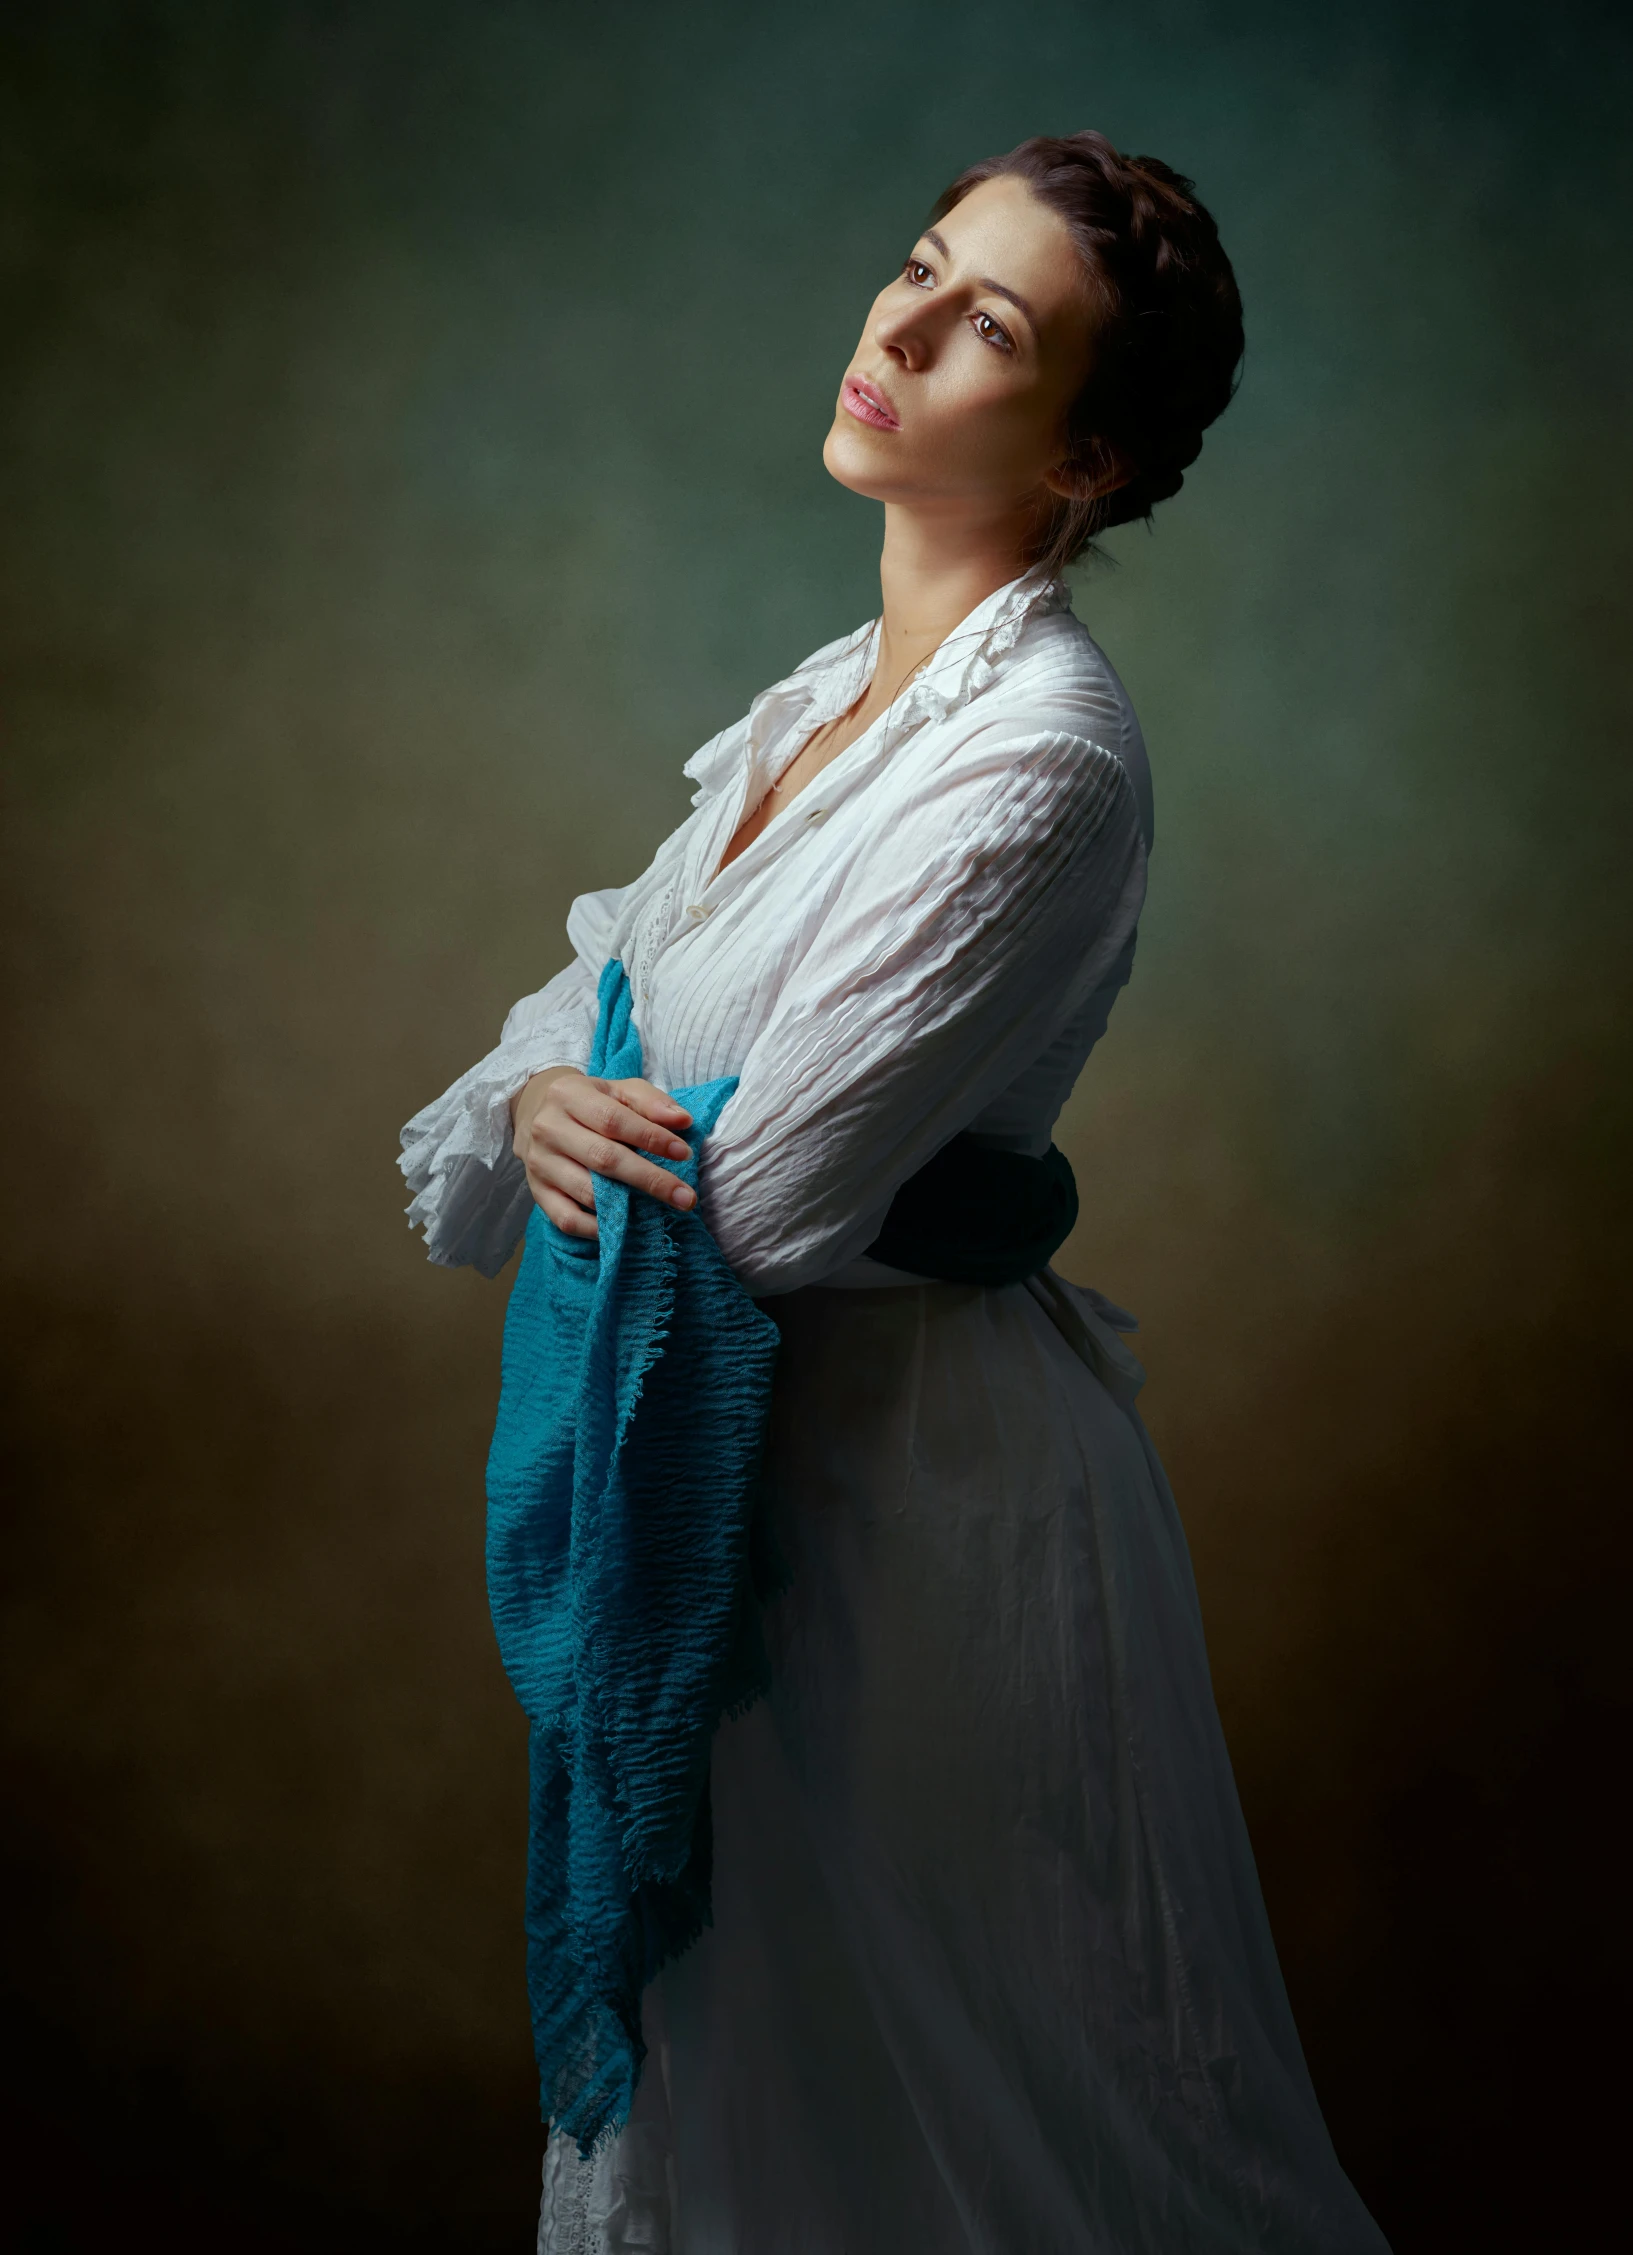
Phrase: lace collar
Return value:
(826, 684)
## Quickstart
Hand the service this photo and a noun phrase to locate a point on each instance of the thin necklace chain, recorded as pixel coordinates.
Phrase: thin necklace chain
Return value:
(855, 701)
(949, 642)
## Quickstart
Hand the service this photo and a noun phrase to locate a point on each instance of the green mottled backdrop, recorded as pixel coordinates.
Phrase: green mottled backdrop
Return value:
(412, 426)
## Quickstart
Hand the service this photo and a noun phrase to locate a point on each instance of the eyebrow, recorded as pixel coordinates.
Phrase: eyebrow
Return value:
(985, 280)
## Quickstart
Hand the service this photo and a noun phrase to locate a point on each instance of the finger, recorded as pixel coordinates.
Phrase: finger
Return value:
(603, 1155)
(655, 1102)
(609, 1118)
(556, 1172)
(571, 1220)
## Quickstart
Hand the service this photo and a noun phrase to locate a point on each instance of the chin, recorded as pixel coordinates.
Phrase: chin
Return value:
(851, 455)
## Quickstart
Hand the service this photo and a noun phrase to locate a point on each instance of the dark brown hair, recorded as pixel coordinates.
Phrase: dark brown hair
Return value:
(1168, 340)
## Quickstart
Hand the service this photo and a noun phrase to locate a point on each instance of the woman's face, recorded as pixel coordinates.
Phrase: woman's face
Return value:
(958, 393)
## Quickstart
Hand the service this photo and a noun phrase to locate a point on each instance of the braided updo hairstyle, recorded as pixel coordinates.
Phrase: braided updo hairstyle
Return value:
(1168, 334)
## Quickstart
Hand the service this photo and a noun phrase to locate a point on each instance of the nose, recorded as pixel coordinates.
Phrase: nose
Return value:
(904, 334)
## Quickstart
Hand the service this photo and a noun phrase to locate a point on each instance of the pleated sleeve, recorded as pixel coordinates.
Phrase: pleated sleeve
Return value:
(999, 896)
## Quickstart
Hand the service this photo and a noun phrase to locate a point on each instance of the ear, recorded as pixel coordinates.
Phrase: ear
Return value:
(1108, 468)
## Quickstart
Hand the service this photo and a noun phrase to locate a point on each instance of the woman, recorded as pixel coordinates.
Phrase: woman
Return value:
(989, 1966)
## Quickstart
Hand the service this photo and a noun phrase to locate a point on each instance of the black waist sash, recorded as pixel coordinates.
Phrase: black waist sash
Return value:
(976, 1215)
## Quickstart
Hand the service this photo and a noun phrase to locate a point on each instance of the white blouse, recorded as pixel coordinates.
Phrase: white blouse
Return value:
(928, 938)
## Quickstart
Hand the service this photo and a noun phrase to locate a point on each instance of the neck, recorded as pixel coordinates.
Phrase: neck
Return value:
(933, 572)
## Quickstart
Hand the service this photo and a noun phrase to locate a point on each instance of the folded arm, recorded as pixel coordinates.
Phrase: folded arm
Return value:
(959, 946)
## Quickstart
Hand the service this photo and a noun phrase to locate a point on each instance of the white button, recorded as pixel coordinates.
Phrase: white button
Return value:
(701, 908)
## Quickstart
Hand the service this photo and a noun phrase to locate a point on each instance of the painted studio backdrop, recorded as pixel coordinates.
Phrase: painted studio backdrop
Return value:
(412, 417)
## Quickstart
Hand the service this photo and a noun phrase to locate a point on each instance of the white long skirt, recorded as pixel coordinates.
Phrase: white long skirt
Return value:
(989, 1968)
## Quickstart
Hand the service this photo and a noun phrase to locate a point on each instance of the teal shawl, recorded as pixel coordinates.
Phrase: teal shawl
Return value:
(628, 1551)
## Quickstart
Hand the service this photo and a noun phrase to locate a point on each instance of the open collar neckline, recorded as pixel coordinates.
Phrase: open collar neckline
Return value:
(960, 667)
(961, 664)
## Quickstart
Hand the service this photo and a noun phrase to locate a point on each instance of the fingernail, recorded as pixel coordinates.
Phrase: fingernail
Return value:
(683, 1194)
(681, 1150)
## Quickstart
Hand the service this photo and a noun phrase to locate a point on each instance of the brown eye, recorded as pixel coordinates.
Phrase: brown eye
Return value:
(992, 332)
(916, 272)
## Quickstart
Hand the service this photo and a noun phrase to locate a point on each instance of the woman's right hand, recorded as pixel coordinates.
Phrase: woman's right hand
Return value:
(570, 1127)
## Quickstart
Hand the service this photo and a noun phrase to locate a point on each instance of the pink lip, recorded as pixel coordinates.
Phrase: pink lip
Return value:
(868, 404)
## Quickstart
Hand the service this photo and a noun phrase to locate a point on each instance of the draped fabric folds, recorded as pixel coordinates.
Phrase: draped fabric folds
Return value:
(627, 1555)
(624, 1575)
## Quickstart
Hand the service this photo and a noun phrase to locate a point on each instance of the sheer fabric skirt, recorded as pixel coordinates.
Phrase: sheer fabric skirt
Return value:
(989, 1968)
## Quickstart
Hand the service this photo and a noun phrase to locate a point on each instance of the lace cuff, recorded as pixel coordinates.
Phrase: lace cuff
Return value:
(470, 1190)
